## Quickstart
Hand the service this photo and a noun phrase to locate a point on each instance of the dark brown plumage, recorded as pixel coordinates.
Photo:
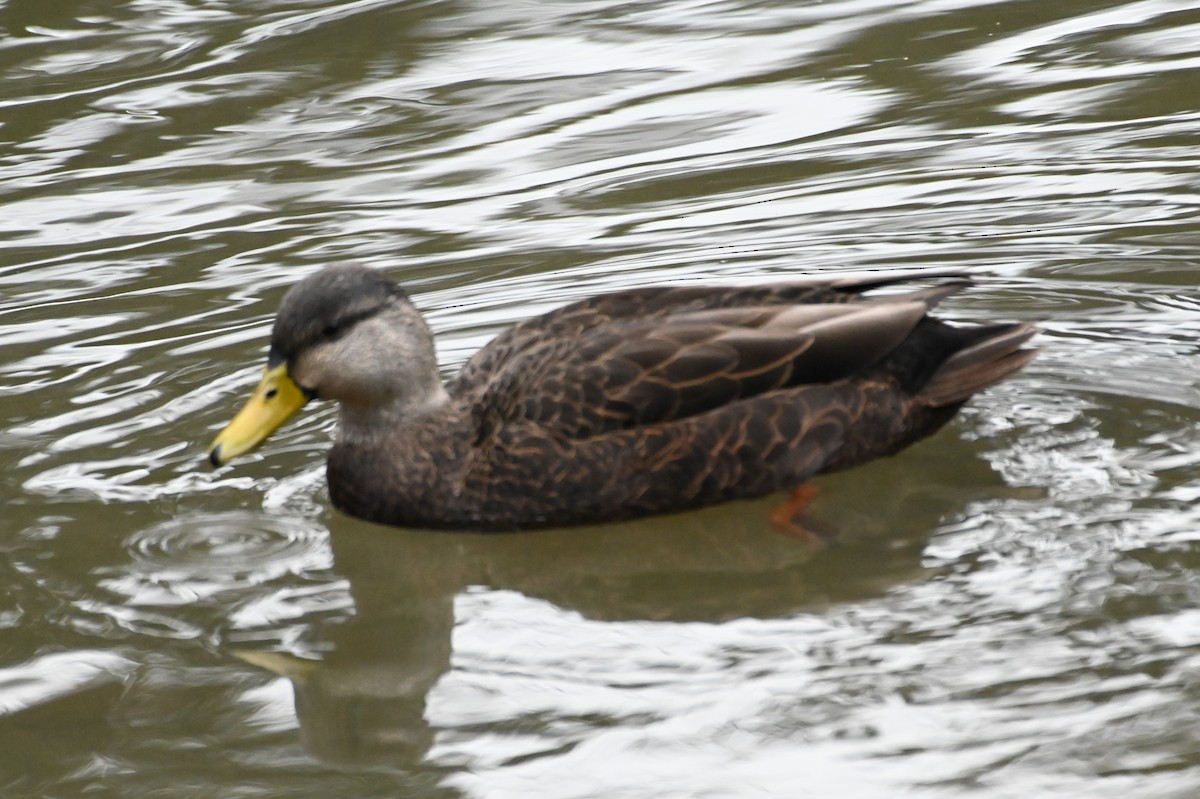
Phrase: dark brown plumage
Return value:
(643, 401)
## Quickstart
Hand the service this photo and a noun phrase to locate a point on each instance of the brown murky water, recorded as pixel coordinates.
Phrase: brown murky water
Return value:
(1012, 610)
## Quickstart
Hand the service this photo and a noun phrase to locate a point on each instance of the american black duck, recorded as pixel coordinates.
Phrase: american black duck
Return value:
(627, 404)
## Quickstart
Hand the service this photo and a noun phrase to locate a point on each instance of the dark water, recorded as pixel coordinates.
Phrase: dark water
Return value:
(1012, 610)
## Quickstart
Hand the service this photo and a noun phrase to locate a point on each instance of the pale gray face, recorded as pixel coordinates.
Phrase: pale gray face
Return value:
(325, 305)
(349, 334)
(375, 360)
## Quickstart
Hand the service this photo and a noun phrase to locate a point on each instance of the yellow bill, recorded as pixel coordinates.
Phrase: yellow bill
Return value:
(276, 400)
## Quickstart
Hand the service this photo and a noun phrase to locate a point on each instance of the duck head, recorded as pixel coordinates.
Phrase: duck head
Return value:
(346, 333)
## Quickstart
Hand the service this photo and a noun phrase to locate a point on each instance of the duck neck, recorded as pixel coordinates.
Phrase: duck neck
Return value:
(364, 424)
(393, 377)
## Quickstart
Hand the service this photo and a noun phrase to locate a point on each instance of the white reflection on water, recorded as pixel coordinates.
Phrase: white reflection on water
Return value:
(58, 675)
(1033, 57)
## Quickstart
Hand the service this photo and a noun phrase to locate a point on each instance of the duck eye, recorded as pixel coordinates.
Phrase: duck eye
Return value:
(331, 330)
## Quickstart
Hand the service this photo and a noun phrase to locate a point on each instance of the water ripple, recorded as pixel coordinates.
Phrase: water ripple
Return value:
(199, 557)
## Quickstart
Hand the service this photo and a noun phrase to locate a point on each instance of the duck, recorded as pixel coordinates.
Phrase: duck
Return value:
(643, 401)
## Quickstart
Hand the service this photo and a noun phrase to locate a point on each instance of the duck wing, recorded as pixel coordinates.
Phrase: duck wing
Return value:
(617, 372)
(573, 321)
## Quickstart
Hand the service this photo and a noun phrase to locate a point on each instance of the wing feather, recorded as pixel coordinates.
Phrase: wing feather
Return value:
(644, 373)
(735, 306)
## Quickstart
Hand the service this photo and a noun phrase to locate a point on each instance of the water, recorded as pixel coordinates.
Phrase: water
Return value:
(1011, 611)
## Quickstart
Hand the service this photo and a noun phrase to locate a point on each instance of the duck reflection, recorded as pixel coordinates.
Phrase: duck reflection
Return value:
(364, 704)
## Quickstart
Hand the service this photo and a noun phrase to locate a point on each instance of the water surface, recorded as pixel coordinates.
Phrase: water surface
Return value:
(1011, 609)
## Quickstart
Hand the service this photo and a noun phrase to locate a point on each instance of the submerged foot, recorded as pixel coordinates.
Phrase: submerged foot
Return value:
(792, 519)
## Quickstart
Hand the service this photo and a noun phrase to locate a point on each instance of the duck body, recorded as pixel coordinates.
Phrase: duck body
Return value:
(623, 405)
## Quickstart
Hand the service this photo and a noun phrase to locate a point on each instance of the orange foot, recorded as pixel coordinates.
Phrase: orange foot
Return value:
(791, 520)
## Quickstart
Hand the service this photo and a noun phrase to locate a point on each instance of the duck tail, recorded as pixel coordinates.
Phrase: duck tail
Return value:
(992, 354)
